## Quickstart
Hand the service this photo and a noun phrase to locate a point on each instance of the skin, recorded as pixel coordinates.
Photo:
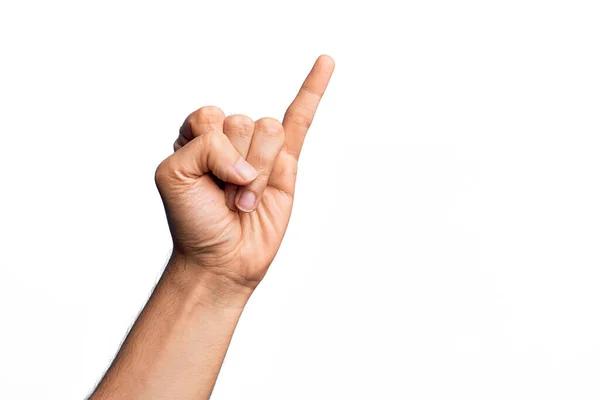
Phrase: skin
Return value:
(228, 191)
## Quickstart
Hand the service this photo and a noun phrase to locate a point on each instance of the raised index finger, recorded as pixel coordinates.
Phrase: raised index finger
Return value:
(300, 113)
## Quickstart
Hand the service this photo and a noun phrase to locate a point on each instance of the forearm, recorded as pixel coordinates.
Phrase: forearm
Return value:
(176, 347)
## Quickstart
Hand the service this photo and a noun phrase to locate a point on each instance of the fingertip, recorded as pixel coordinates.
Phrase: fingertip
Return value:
(326, 58)
(246, 201)
(326, 61)
(246, 172)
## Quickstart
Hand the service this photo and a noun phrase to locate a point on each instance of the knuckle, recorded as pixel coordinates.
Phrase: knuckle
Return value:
(270, 127)
(307, 89)
(298, 118)
(206, 115)
(239, 125)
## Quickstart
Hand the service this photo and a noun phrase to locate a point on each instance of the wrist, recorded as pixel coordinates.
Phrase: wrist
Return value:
(203, 286)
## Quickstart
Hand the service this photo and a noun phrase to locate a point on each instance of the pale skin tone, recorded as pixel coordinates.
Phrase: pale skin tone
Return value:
(228, 191)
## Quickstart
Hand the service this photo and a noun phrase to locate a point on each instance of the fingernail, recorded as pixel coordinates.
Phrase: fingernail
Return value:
(245, 170)
(246, 201)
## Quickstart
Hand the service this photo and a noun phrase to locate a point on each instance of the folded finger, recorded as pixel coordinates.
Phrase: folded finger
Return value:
(207, 119)
(266, 144)
(239, 130)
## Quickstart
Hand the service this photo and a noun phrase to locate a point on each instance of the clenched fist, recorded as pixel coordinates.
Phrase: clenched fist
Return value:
(228, 188)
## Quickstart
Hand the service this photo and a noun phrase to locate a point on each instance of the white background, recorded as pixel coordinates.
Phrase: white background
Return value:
(445, 237)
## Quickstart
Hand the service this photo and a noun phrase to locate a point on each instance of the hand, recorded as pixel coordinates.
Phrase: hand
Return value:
(228, 188)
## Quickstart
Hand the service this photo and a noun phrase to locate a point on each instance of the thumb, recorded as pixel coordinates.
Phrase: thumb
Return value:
(209, 153)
